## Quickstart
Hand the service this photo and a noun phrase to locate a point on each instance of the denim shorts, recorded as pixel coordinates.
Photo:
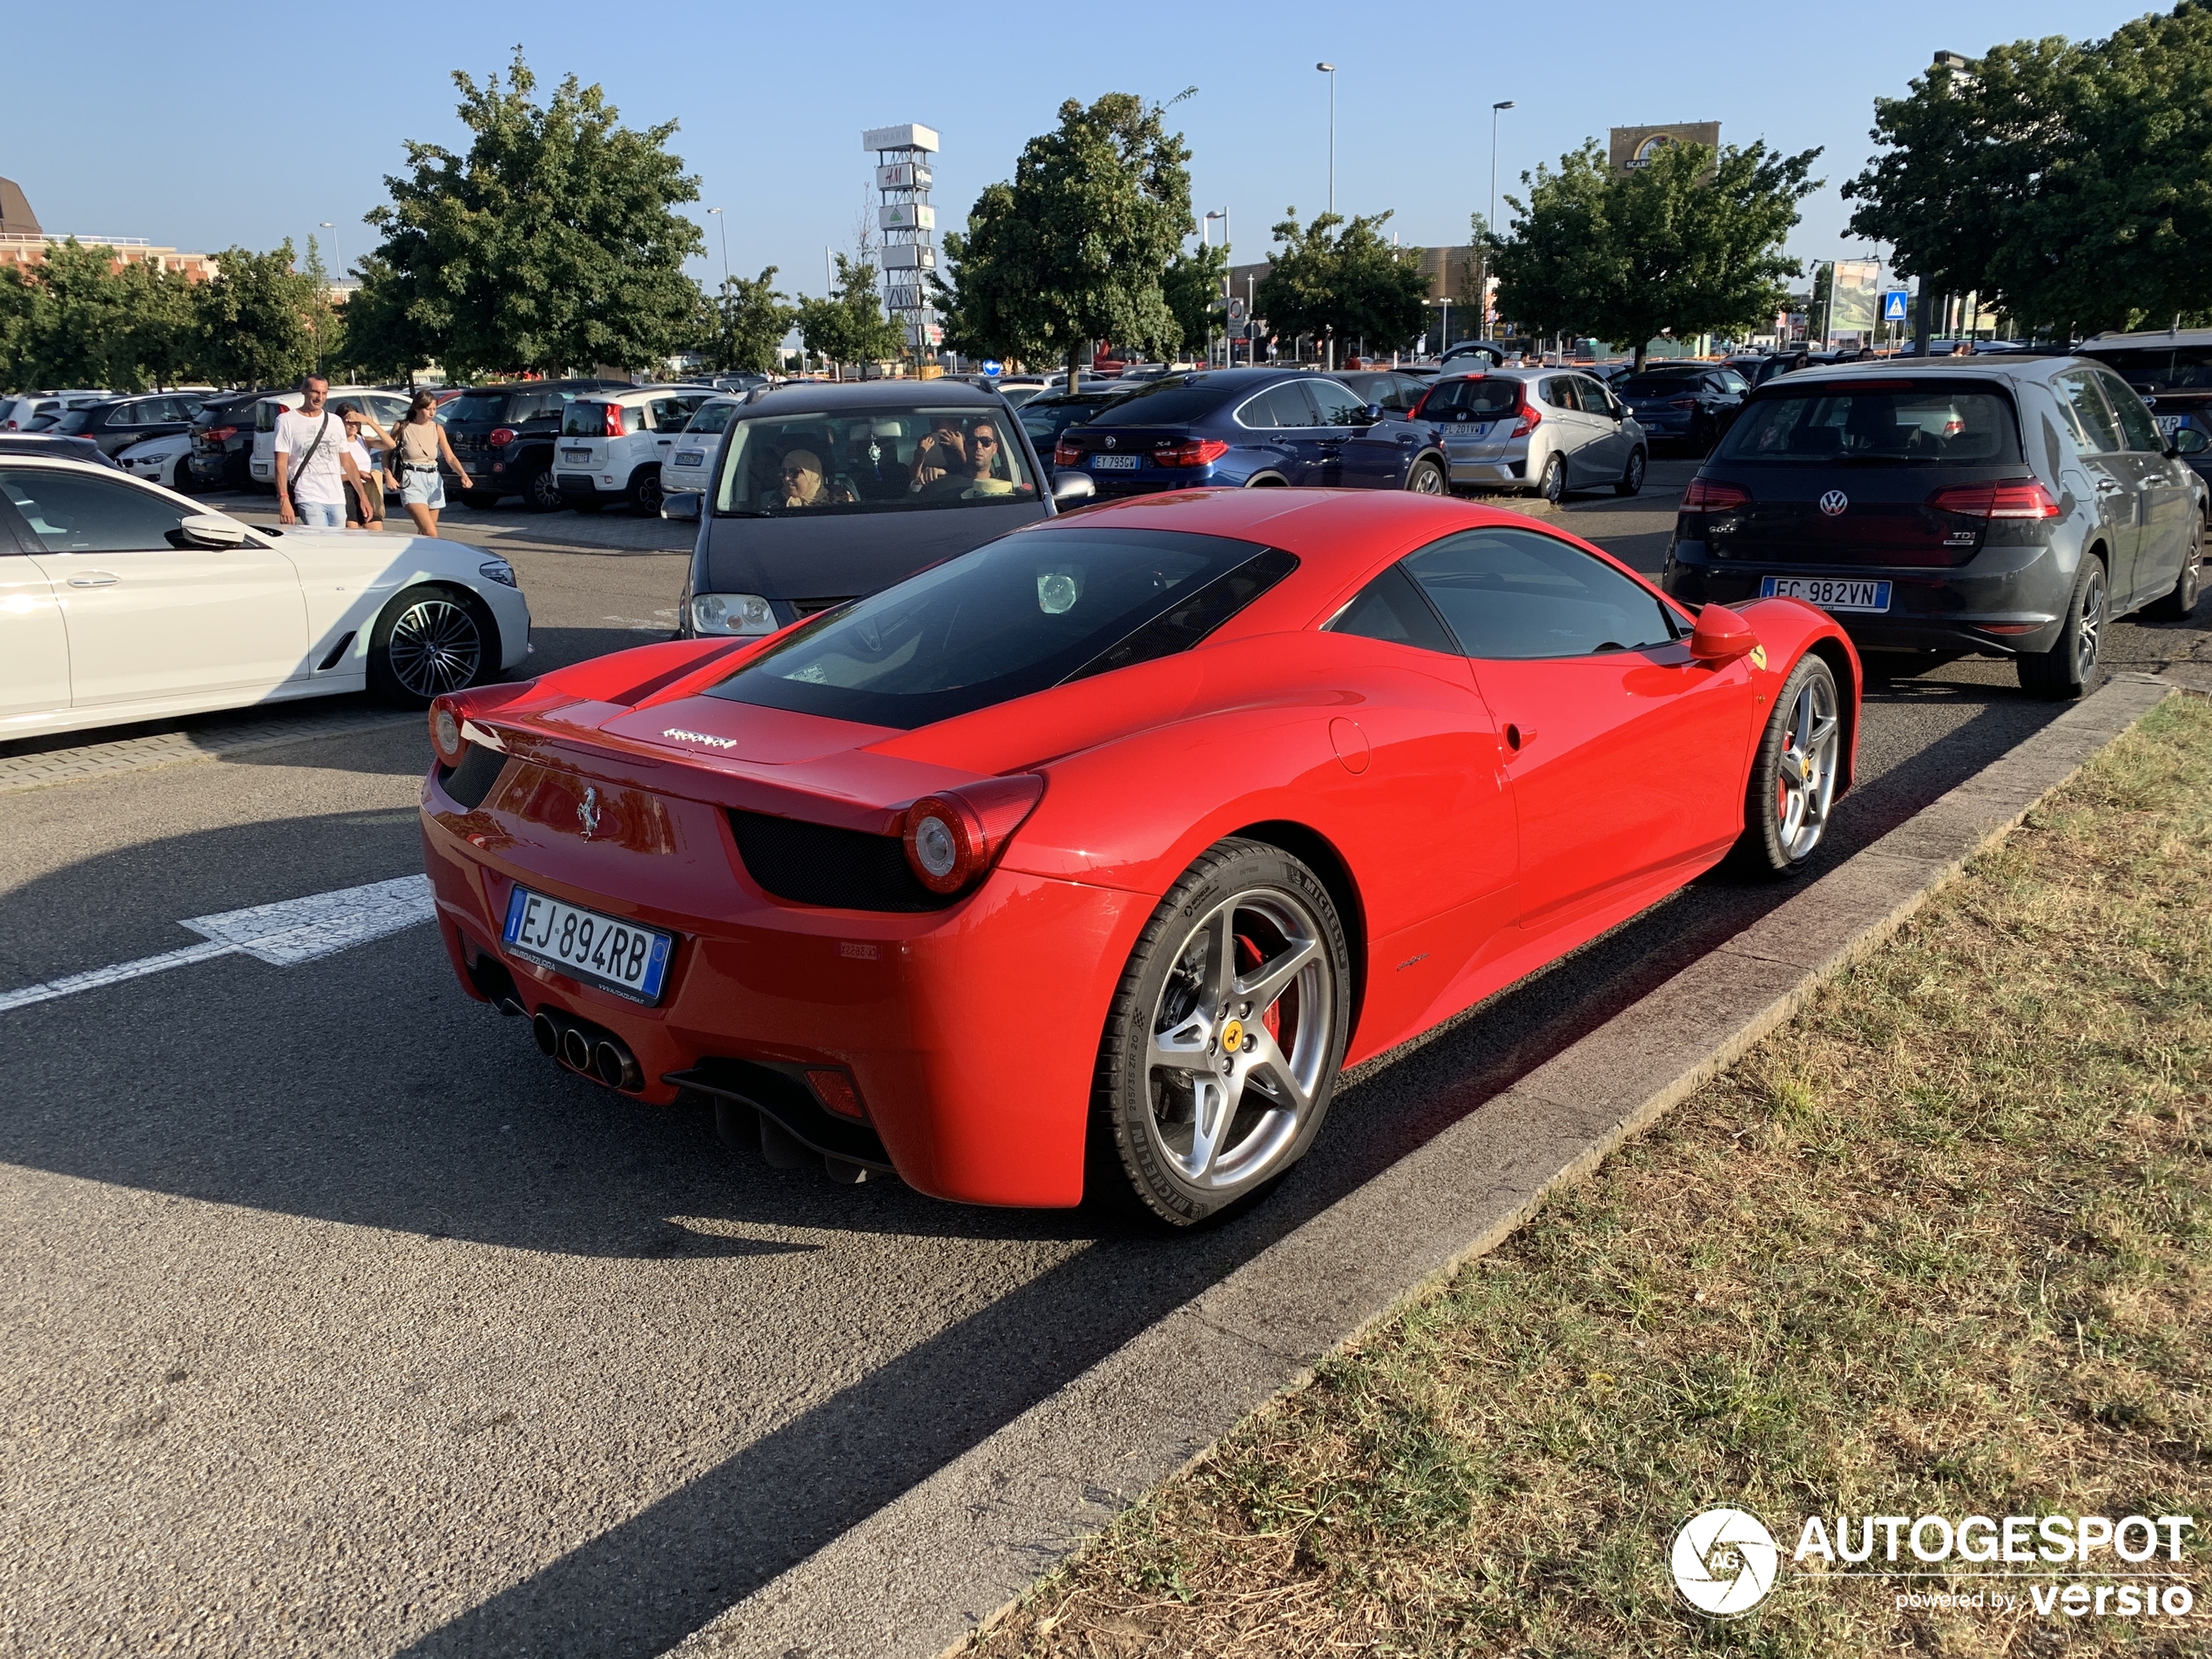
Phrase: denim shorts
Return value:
(423, 487)
(321, 515)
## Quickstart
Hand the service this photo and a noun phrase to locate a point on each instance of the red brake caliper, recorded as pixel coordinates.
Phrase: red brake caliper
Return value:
(1248, 958)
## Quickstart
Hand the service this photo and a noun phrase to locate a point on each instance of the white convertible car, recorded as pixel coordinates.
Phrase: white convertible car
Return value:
(122, 601)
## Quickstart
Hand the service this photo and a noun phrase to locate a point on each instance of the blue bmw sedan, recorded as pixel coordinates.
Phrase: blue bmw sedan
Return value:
(1233, 428)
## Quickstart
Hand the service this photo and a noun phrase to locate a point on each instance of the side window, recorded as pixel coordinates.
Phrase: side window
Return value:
(1404, 392)
(2134, 419)
(1732, 381)
(1338, 405)
(1518, 594)
(69, 513)
(670, 414)
(2094, 429)
(1392, 608)
(1559, 392)
(1279, 406)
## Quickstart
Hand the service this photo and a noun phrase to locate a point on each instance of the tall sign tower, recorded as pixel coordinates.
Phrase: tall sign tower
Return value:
(909, 228)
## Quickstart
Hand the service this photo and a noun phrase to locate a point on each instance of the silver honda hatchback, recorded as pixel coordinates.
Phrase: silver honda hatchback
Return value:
(1545, 430)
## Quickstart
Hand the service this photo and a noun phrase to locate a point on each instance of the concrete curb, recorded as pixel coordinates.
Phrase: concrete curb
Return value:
(948, 1556)
(214, 742)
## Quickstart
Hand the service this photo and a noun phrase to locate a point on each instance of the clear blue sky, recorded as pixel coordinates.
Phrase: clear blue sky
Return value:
(134, 129)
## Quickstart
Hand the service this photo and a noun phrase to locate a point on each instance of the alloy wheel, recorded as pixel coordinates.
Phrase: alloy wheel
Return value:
(1427, 479)
(1240, 1042)
(435, 647)
(2088, 630)
(1804, 781)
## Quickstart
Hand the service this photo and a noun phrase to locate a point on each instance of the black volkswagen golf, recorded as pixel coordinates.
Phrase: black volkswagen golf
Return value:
(822, 493)
(2004, 508)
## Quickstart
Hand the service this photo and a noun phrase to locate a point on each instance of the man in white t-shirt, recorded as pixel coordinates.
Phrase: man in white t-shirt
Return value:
(315, 481)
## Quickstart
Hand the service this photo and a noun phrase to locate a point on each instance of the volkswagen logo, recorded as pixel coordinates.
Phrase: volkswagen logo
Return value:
(1833, 504)
(587, 813)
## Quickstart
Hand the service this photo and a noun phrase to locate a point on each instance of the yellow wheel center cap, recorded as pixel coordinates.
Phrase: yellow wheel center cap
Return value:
(1232, 1037)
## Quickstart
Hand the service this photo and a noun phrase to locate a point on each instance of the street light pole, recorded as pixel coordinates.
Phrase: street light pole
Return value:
(1330, 70)
(716, 212)
(1491, 223)
(1206, 230)
(333, 229)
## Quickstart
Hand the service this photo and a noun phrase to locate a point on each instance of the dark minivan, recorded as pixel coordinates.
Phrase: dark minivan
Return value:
(2171, 370)
(2008, 507)
(504, 434)
(120, 423)
(821, 493)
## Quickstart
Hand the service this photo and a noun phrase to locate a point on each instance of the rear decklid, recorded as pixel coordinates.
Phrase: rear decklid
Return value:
(1858, 471)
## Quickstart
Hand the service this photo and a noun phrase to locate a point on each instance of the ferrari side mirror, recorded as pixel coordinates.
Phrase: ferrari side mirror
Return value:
(1721, 635)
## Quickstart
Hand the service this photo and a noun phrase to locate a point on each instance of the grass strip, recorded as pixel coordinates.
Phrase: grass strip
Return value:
(1943, 1246)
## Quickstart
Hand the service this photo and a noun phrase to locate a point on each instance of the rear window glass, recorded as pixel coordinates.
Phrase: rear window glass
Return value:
(482, 408)
(873, 460)
(75, 420)
(265, 414)
(588, 420)
(1889, 423)
(2161, 368)
(714, 417)
(1476, 399)
(1175, 400)
(1657, 385)
(1015, 617)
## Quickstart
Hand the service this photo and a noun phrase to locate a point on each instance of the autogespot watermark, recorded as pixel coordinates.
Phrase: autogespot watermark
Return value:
(1725, 1561)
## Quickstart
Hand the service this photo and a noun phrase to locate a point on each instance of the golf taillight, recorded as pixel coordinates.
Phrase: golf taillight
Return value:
(2002, 498)
(952, 838)
(1528, 416)
(445, 733)
(1190, 451)
(1065, 453)
(1711, 495)
(501, 437)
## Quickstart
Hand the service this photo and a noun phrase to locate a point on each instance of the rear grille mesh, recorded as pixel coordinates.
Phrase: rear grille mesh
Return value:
(470, 781)
(818, 864)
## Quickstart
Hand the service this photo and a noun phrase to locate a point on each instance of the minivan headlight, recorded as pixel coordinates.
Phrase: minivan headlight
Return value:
(732, 613)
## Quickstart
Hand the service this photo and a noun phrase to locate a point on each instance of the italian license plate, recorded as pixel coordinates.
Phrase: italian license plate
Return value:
(1113, 463)
(577, 457)
(691, 457)
(616, 955)
(1830, 593)
(2169, 424)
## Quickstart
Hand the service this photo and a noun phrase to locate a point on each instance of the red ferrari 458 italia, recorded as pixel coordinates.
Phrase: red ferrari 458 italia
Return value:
(1094, 853)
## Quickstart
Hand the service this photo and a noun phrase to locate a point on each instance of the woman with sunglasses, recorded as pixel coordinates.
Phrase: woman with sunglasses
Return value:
(364, 496)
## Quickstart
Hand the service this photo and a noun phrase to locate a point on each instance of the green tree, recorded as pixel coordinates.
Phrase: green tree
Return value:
(77, 331)
(742, 327)
(1339, 276)
(384, 340)
(552, 243)
(1191, 287)
(2065, 182)
(253, 317)
(1690, 242)
(160, 308)
(849, 325)
(1075, 248)
(18, 295)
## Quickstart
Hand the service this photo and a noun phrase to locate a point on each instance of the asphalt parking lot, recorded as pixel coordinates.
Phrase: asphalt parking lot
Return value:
(344, 1323)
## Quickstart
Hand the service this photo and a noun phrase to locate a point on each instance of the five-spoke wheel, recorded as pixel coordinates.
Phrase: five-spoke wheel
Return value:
(1226, 1033)
(1794, 775)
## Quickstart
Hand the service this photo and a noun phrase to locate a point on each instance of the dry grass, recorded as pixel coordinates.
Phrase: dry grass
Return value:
(1941, 1246)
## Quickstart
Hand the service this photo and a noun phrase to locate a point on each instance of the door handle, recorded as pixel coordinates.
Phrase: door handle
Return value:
(95, 579)
(2109, 486)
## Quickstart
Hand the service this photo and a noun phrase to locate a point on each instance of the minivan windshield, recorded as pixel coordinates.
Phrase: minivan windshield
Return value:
(2161, 368)
(1875, 422)
(872, 460)
(1012, 617)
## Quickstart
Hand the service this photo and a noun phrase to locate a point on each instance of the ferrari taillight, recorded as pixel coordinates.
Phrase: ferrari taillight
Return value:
(1191, 452)
(445, 733)
(2004, 498)
(952, 838)
(1711, 495)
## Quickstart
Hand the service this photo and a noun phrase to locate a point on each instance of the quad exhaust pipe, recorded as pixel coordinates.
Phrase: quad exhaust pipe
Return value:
(589, 1050)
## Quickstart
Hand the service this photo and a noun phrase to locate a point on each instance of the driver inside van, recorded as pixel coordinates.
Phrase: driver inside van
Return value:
(801, 481)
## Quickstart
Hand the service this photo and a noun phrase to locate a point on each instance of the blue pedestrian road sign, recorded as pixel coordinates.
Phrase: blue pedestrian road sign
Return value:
(992, 368)
(1893, 305)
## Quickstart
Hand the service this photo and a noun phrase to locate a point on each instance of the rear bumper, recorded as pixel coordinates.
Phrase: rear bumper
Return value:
(1949, 609)
(586, 486)
(971, 1034)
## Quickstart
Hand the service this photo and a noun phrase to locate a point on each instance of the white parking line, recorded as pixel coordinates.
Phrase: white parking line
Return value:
(283, 935)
